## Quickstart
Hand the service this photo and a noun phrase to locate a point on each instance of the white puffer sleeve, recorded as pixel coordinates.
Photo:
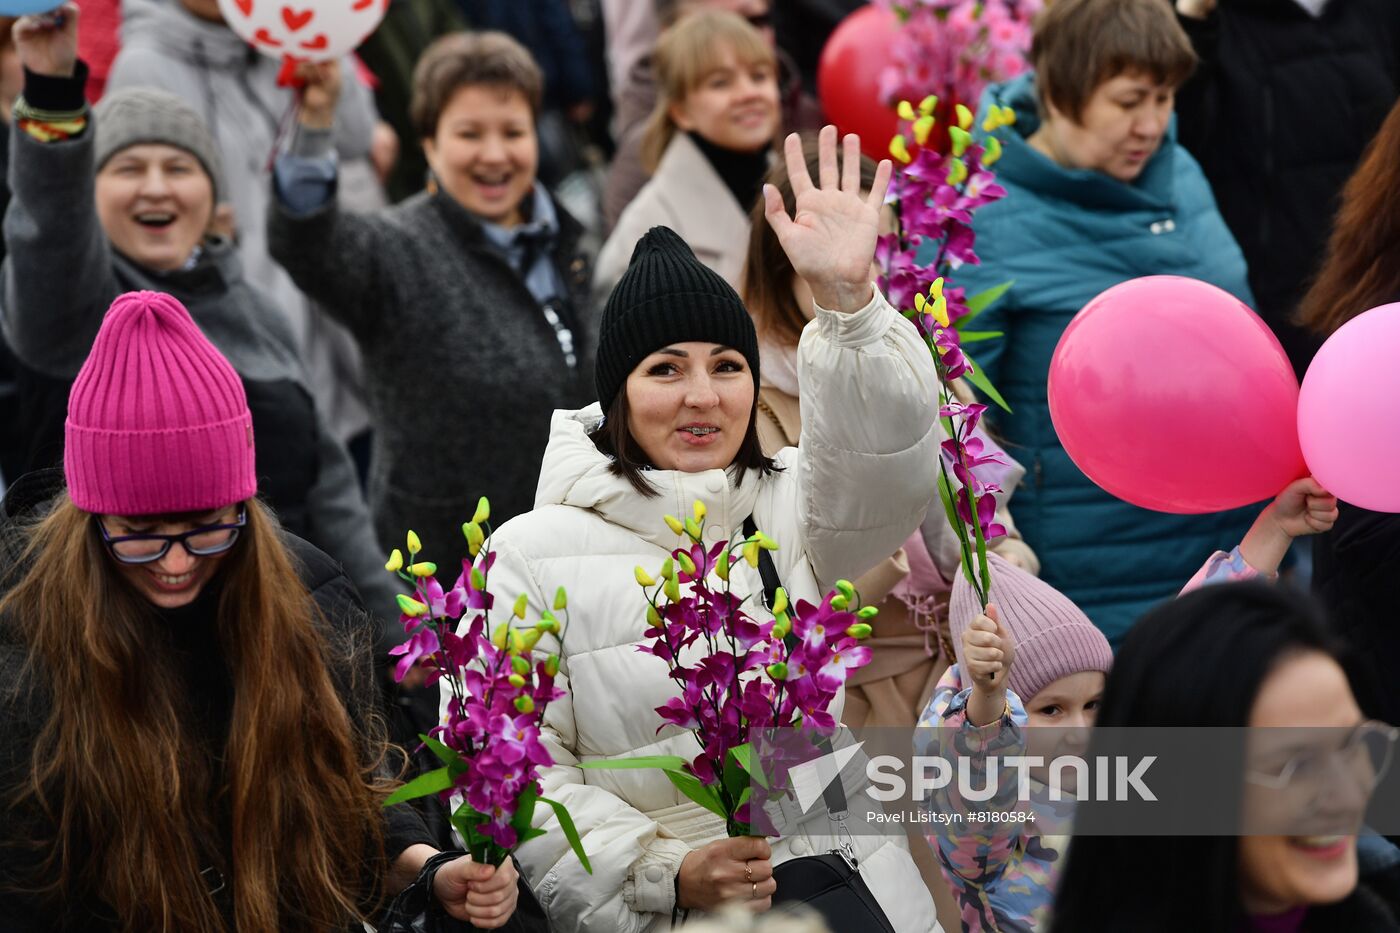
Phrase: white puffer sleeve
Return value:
(869, 437)
(634, 860)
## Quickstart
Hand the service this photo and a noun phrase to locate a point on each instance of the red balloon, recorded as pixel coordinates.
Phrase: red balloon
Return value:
(1172, 394)
(848, 78)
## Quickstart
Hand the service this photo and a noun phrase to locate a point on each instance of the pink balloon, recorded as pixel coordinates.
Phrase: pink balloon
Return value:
(1349, 411)
(1172, 394)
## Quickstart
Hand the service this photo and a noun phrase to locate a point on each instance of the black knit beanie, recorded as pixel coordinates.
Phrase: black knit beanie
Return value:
(667, 296)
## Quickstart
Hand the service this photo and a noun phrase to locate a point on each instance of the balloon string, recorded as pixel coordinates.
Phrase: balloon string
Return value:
(283, 127)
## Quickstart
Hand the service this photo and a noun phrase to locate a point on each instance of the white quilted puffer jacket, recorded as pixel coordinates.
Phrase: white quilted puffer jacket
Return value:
(847, 500)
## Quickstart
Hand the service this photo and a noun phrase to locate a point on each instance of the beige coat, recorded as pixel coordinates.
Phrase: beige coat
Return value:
(687, 195)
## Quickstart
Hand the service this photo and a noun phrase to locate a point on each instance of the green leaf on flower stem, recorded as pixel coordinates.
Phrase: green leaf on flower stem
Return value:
(534, 832)
(690, 785)
(641, 761)
(976, 336)
(447, 756)
(524, 809)
(977, 378)
(743, 757)
(433, 782)
(982, 301)
(735, 778)
(566, 823)
(945, 493)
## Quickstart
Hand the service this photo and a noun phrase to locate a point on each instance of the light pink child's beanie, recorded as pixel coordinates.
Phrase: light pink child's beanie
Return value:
(1054, 638)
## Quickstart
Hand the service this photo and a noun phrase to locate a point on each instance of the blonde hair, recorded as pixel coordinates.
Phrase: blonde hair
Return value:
(687, 53)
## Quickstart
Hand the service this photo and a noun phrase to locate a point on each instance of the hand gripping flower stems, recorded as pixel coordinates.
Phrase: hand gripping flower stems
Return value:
(747, 677)
(489, 744)
(935, 194)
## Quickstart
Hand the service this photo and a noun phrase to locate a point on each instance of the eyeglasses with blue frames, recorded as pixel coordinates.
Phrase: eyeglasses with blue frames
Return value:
(204, 541)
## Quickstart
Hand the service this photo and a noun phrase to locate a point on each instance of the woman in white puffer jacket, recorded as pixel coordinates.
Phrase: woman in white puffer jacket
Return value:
(677, 375)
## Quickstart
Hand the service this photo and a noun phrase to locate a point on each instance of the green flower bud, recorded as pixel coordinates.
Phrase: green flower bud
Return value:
(722, 565)
(839, 603)
(516, 681)
(859, 630)
(525, 704)
(410, 606)
(778, 671)
(687, 564)
(483, 511)
(520, 665)
(478, 579)
(561, 600)
(673, 589)
(867, 612)
(845, 588)
(551, 665)
(675, 525)
(643, 578)
(521, 603)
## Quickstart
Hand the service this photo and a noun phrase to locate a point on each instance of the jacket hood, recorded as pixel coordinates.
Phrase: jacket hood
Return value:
(1031, 169)
(576, 473)
(168, 25)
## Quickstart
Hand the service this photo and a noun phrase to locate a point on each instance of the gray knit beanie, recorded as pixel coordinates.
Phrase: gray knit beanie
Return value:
(133, 116)
(667, 296)
(1053, 637)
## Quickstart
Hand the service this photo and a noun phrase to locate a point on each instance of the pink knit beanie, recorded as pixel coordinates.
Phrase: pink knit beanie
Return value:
(157, 418)
(1054, 638)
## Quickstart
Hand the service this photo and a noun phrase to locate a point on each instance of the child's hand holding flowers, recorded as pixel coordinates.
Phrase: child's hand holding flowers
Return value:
(988, 651)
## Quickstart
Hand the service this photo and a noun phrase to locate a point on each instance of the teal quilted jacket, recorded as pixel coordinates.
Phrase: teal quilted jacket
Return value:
(1063, 236)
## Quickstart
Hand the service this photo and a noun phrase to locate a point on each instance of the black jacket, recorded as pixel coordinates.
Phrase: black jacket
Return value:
(1354, 574)
(1278, 114)
(24, 704)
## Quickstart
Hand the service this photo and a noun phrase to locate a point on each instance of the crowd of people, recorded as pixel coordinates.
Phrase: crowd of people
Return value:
(597, 260)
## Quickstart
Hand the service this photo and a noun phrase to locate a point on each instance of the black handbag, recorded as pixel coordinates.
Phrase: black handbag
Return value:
(829, 884)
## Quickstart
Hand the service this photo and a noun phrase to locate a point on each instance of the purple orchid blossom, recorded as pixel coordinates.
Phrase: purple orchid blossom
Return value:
(499, 686)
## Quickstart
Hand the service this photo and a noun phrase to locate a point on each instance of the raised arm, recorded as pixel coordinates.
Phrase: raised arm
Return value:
(333, 256)
(869, 437)
(57, 276)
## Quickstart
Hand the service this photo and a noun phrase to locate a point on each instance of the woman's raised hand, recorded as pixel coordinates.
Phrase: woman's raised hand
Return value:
(47, 43)
(830, 239)
(320, 93)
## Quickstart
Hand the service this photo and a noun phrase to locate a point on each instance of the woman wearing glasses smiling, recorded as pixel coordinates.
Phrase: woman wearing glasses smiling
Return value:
(187, 730)
(1232, 656)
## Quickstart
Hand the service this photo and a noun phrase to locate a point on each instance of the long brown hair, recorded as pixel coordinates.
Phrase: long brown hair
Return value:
(768, 273)
(116, 774)
(1362, 268)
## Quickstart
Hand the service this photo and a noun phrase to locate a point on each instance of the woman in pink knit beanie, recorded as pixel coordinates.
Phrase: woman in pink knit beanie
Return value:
(187, 739)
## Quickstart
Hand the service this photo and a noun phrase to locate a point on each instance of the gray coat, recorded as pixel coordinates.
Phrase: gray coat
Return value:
(234, 89)
(58, 280)
(462, 369)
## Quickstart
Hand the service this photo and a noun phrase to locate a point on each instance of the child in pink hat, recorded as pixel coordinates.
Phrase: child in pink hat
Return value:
(1033, 658)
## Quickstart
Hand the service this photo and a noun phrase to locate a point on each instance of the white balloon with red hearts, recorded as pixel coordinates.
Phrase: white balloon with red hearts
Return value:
(305, 30)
